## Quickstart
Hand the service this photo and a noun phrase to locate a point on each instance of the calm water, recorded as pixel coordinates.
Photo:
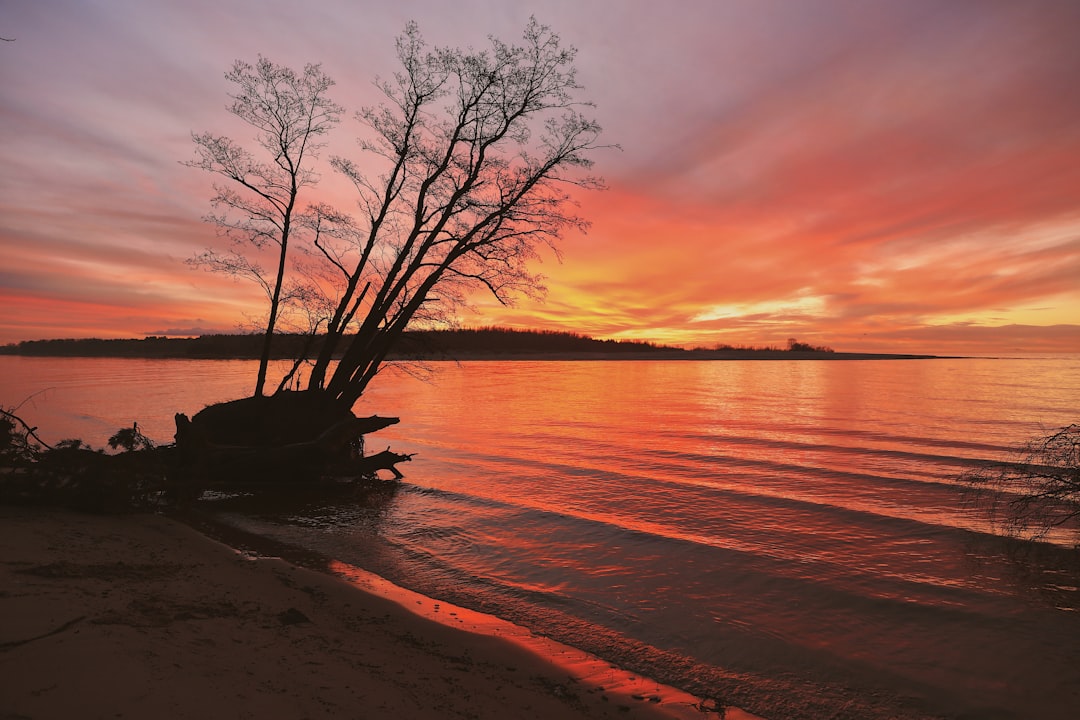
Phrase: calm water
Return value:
(788, 536)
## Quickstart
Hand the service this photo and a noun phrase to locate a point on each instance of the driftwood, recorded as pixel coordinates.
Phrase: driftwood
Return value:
(334, 453)
(87, 480)
(290, 439)
(370, 464)
(72, 475)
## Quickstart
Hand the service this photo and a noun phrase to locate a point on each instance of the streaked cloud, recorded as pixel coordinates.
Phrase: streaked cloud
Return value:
(867, 175)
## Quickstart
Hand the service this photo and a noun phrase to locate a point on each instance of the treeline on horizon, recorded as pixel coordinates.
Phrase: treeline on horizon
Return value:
(429, 344)
(415, 343)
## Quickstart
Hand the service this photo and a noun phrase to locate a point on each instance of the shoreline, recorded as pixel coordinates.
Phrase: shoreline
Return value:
(145, 615)
(674, 355)
(655, 355)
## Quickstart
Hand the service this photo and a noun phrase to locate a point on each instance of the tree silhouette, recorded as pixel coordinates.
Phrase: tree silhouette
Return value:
(471, 165)
(472, 159)
(289, 112)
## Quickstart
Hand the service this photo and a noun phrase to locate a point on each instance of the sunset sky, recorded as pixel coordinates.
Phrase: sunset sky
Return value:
(868, 175)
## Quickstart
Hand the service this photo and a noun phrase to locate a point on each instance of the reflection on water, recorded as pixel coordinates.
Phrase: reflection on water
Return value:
(91, 398)
(788, 535)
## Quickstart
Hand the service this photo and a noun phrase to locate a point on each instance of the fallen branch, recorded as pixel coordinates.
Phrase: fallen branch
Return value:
(16, 643)
(30, 431)
(385, 460)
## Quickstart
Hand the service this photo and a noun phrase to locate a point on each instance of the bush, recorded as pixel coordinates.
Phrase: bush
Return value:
(1036, 491)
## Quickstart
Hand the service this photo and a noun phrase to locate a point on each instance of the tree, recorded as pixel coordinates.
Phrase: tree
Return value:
(473, 158)
(1039, 489)
(471, 163)
(259, 205)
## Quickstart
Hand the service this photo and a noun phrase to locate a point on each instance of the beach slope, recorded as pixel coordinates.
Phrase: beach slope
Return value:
(140, 616)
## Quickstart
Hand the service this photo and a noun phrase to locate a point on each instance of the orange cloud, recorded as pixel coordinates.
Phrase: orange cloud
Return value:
(867, 176)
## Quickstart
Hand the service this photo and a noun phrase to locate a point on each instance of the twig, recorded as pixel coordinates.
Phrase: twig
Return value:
(57, 631)
(30, 431)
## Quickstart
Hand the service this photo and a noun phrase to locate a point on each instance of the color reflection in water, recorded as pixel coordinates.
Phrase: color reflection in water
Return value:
(788, 535)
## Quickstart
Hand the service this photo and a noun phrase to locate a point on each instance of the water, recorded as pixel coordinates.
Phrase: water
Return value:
(788, 536)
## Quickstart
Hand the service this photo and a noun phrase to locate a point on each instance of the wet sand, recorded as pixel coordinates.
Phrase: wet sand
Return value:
(141, 616)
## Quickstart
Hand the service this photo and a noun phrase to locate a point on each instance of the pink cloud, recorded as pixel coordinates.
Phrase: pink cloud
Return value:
(859, 172)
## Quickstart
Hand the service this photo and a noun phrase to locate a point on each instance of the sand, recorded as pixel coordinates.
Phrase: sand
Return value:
(140, 616)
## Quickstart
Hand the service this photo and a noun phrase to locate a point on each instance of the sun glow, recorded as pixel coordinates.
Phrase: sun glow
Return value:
(776, 311)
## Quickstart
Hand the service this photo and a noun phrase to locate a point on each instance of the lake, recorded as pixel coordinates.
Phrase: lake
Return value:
(789, 536)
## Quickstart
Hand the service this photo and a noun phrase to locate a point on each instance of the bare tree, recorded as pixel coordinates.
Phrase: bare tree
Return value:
(472, 159)
(471, 164)
(1036, 491)
(259, 205)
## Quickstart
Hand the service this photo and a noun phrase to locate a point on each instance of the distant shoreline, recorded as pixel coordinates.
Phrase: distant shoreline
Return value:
(658, 355)
(710, 355)
(432, 346)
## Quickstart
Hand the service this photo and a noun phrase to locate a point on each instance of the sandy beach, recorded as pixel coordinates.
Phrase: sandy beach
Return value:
(138, 616)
